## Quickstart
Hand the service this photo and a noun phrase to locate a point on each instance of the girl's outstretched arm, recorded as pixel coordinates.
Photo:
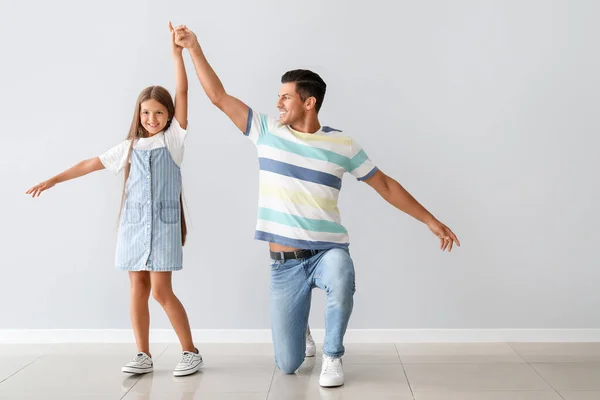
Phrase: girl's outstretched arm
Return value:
(181, 82)
(82, 168)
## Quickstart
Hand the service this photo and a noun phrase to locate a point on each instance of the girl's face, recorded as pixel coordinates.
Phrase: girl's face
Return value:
(153, 116)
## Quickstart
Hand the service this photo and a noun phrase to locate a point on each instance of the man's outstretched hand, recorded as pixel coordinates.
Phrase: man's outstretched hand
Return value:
(446, 236)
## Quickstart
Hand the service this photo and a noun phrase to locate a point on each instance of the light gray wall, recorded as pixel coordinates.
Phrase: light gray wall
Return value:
(487, 111)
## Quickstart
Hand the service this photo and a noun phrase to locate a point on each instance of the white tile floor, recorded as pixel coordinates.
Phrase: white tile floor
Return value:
(386, 371)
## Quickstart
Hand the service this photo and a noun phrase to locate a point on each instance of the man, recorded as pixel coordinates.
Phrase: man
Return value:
(301, 167)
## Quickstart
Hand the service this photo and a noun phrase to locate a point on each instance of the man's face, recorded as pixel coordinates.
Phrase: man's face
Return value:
(290, 105)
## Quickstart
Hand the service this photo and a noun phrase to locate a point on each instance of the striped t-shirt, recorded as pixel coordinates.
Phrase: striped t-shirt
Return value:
(300, 181)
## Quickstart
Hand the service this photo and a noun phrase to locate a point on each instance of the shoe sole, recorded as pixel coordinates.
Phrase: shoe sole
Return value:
(189, 371)
(330, 385)
(131, 370)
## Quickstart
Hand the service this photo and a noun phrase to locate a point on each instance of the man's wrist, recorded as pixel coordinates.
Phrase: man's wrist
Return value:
(195, 48)
(428, 218)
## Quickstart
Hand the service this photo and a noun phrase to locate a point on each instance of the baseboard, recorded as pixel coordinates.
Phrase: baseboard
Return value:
(264, 335)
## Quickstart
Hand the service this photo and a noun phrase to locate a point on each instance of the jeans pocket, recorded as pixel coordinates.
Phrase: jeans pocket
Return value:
(169, 211)
(275, 265)
(281, 267)
(133, 212)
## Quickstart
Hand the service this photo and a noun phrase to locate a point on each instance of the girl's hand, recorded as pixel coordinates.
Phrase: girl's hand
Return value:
(174, 46)
(40, 187)
(184, 37)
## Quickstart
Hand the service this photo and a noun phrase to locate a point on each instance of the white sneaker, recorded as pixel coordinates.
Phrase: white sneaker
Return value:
(141, 364)
(190, 363)
(311, 348)
(332, 373)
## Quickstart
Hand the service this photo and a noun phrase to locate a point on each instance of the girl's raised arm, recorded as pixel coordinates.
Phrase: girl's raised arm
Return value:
(181, 82)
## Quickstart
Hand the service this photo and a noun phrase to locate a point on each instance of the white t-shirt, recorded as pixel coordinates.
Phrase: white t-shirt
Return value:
(173, 139)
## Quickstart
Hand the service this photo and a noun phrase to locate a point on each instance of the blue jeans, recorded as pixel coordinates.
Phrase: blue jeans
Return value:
(292, 282)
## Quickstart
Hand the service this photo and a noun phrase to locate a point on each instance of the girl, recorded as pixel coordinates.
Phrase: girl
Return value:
(152, 227)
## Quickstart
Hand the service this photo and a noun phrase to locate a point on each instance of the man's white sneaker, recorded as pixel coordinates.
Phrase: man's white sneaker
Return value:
(141, 364)
(190, 363)
(332, 373)
(311, 348)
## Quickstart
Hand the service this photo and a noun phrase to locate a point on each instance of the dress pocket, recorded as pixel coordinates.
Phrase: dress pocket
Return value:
(133, 212)
(169, 211)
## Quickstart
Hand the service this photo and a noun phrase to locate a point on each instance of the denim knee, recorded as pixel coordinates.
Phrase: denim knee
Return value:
(339, 276)
(289, 365)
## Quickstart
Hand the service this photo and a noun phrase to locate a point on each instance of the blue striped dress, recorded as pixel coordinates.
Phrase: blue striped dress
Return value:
(149, 236)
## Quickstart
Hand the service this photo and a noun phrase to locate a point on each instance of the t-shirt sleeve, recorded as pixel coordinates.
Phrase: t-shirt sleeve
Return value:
(174, 139)
(361, 166)
(114, 159)
(258, 125)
